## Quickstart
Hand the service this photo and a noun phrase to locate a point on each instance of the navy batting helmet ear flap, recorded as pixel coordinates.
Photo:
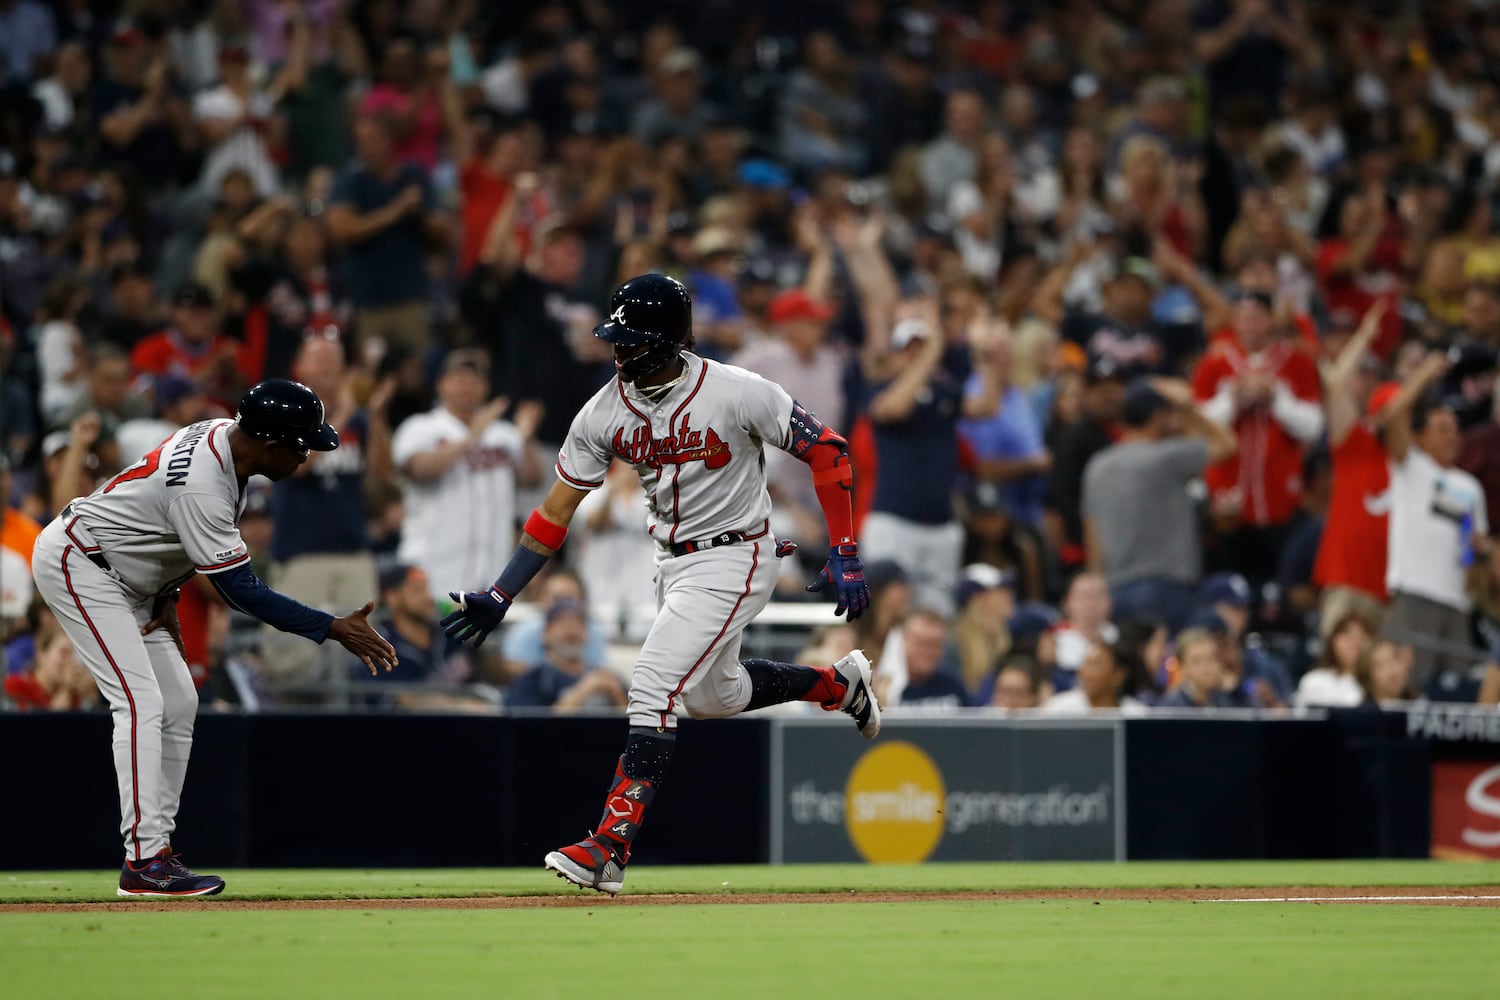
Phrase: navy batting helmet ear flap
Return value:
(286, 412)
(651, 309)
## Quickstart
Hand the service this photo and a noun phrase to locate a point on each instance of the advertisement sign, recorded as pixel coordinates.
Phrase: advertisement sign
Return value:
(1465, 809)
(948, 790)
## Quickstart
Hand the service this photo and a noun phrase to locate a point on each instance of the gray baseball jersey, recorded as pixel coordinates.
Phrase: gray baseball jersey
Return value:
(173, 513)
(697, 449)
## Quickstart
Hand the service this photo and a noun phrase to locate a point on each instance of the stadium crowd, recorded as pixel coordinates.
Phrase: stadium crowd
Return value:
(1165, 332)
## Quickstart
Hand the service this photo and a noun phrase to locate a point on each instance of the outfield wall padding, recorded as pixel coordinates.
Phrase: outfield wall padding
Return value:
(308, 789)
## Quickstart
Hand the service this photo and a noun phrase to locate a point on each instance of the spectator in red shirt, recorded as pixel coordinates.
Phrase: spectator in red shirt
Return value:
(1362, 264)
(1351, 562)
(1266, 388)
(193, 348)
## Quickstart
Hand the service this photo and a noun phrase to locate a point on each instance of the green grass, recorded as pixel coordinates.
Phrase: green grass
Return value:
(942, 949)
(1022, 949)
(54, 887)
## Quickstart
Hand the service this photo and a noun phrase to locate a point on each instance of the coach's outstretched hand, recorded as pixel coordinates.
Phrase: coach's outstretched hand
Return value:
(354, 633)
(479, 611)
(845, 574)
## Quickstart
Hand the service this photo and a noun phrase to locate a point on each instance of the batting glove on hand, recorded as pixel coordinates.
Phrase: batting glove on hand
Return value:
(846, 575)
(479, 611)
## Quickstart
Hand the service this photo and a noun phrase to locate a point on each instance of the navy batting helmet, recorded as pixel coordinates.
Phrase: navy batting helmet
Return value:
(286, 412)
(649, 309)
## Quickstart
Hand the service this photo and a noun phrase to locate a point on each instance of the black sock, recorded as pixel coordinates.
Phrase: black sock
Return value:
(773, 683)
(648, 754)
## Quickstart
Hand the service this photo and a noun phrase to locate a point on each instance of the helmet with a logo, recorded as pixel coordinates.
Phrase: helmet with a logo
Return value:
(286, 412)
(650, 309)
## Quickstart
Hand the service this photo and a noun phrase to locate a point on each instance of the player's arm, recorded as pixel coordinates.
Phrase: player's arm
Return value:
(827, 455)
(480, 611)
(209, 536)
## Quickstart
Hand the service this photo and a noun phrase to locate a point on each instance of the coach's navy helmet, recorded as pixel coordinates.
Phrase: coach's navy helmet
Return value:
(286, 412)
(651, 309)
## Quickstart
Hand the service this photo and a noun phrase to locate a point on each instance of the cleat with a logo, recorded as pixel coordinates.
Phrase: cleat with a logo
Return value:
(859, 694)
(589, 863)
(165, 875)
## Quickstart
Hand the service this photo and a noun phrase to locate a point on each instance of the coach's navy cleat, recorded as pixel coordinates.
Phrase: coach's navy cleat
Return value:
(590, 863)
(166, 875)
(859, 695)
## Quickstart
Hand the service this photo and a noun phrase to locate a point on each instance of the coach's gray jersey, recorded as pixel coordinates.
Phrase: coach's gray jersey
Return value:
(173, 513)
(697, 449)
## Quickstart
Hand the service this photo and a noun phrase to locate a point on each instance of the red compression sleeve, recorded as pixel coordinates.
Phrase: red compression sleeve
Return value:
(833, 481)
(544, 531)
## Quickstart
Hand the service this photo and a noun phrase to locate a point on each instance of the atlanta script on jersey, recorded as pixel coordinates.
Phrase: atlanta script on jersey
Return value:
(697, 449)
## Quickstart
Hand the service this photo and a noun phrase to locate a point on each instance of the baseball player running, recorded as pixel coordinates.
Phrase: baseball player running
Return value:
(694, 431)
(110, 567)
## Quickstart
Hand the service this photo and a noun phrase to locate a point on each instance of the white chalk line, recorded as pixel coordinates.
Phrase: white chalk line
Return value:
(1348, 899)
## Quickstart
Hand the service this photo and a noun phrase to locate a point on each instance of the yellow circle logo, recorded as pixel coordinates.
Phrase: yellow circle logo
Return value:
(893, 805)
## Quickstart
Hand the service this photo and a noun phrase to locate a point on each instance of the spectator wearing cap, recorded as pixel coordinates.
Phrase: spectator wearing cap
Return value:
(954, 155)
(176, 402)
(1438, 528)
(993, 536)
(408, 620)
(799, 357)
(1140, 522)
(677, 109)
(1124, 335)
(1351, 561)
(718, 323)
(321, 544)
(561, 680)
(986, 600)
(191, 347)
(1479, 456)
(1268, 390)
(522, 645)
(915, 402)
(383, 216)
(462, 465)
(1263, 680)
(1008, 448)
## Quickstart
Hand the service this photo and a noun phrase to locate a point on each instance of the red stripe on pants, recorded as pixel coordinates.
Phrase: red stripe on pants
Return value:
(672, 698)
(135, 784)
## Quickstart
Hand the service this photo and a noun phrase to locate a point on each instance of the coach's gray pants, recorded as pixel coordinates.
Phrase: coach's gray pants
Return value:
(144, 679)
